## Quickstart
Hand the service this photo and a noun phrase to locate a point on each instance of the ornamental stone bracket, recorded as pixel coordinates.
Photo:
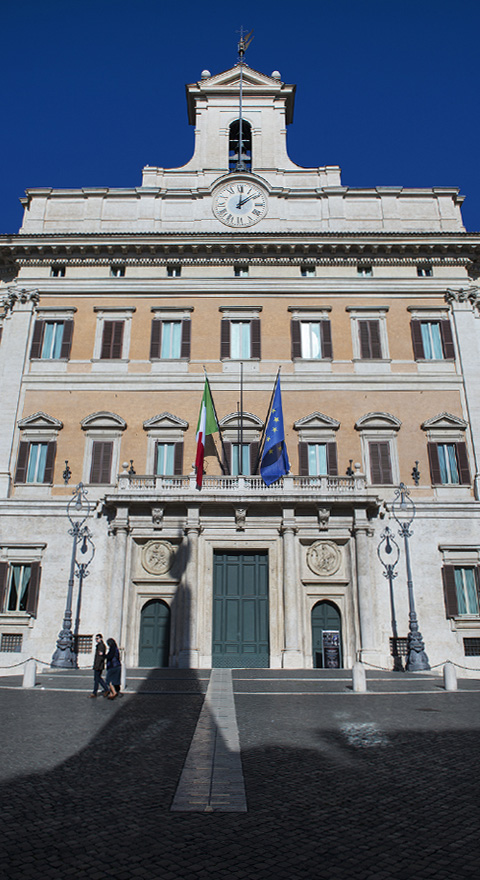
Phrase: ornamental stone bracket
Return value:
(464, 295)
(323, 514)
(22, 297)
(120, 521)
(240, 518)
(157, 517)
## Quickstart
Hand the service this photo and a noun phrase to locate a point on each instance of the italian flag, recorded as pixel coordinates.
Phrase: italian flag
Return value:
(207, 424)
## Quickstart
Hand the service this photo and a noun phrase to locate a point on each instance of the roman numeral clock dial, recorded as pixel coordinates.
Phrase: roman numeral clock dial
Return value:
(239, 204)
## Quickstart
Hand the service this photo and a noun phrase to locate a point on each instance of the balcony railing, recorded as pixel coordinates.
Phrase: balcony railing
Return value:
(149, 484)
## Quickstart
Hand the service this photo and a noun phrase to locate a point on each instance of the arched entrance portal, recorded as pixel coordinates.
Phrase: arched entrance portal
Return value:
(154, 642)
(326, 636)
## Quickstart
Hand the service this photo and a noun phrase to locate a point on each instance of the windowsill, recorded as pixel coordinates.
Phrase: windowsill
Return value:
(109, 365)
(233, 366)
(436, 366)
(167, 365)
(48, 365)
(452, 492)
(465, 622)
(362, 365)
(16, 618)
(35, 490)
(313, 365)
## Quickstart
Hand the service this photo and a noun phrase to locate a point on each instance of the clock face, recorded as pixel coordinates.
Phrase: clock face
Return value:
(239, 204)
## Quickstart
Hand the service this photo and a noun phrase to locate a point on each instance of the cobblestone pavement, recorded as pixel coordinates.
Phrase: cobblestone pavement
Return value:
(339, 785)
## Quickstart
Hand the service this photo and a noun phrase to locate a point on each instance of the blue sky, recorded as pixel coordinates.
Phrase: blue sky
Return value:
(94, 90)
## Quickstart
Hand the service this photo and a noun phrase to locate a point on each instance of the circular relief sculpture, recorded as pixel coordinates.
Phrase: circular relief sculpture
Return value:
(157, 557)
(324, 558)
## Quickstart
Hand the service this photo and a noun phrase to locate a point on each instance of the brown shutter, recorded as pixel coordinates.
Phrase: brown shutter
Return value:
(303, 459)
(112, 340)
(117, 343)
(66, 339)
(50, 462)
(186, 338)
(434, 463)
(417, 341)
(22, 463)
(224, 339)
(370, 347)
(447, 340)
(107, 340)
(295, 333)
(380, 463)
(326, 334)
(38, 331)
(449, 590)
(33, 587)
(332, 464)
(462, 460)
(365, 349)
(155, 339)
(101, 461)
(255, 348)
(227, 457)
(3, 583)
(178, 459)
(253, 457)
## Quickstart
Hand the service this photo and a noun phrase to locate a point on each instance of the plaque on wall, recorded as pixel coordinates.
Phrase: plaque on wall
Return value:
(324, 558)
(157, 557)
(331, 649)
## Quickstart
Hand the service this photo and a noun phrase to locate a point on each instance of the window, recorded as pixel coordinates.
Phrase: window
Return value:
(311, 340)
(35, 462)
(432, 340)
(52, 340)
(241, 434)
(112, 340)
(57, 271)
(117, 271)
(424, 271)
(471, 647)
(168, 459)
(170, 339)
(307, 271)
(101, 466)
(365, 271)
(240, 459)
(19, 584)
(240, 271)
(461, 590)
(240, 339)
(379, 447)
(369, 337)
(165, 433)
(380, 463)
(174, 271)
(240, 154)
(11, 643)
(316, 459)
(83, 644)
(448, 463)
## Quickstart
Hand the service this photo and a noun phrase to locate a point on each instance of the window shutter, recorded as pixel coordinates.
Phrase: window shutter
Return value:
(224, 339)
(295, 333)
(101, 462)
(50, 462)
(112, 340)
(370, 348)
(227, 457)
(447, 340)
(155, 339)
(417, 341)
(107, 339)
(380, 463)
(253, 457)
(178, 459)
(303, 459)
(326, 331)
(117, 343)
(332, 464)
(434, 463)
(32, 599)
(186, 338)
(38, 331)
(66, 339)
(462, 459)
(22, 463)
(449, 590)
(3, 583)
(255, 348)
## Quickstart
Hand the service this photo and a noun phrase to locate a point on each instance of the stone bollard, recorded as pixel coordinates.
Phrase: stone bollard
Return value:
(123, 676)
(29, 674)
(449, 677)
(359, 678)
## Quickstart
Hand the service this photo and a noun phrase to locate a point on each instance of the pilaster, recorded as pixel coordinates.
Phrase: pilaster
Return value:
(292, 656)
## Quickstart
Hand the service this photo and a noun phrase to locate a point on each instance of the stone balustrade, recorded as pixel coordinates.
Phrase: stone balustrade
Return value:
(150, 484)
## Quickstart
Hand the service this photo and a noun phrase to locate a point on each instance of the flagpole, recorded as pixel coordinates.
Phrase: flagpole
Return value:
(219, 428)
(262, 438)
(240, 451)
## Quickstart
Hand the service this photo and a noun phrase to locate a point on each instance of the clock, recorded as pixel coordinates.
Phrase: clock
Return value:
(239, 204)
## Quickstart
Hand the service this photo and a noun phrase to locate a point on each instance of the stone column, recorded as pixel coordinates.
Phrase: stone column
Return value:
(119, 575)
(292, 656)
(365, 588)
(188, 622)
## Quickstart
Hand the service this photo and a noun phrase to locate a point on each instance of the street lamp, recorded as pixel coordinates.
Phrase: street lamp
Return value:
(88, 551)
(388, 553)
(403, 510)
(78, 506)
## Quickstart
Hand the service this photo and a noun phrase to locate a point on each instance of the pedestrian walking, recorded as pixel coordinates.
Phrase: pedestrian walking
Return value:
(114, 668)
(99, 666)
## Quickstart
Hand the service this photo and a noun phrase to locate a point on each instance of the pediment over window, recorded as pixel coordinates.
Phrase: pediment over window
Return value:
(103, 420)
(165, 420)
(316, 420)
(444, 420)
(378, 420)
(233, 421)
(40, 421)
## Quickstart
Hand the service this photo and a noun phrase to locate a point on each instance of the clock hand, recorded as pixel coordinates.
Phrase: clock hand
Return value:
(243, 201)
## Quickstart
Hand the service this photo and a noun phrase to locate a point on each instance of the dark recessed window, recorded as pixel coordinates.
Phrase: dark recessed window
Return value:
(424, 271)
(365, 271)
(117, 271)
(240, 271)
(307, 271)
(57, 271)
(174, 271)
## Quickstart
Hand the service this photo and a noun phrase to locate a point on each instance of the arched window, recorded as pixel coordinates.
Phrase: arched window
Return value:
(240, 156)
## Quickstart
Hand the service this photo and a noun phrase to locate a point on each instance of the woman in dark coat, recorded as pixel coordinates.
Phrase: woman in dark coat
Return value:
(114, 668)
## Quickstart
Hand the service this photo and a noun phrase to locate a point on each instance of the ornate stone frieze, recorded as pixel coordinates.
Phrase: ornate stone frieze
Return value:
(7, 302)
(324, 558)
(157, 557)
(464, 295)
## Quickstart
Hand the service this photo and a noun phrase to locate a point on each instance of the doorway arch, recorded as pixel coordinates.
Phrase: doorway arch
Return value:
(154, 640)
(327, 650)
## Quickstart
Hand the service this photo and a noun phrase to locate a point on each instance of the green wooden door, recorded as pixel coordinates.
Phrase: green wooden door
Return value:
(154, 634)
(240, 610)
(325, 617)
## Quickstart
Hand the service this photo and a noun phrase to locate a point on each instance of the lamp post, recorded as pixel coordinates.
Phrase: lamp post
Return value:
(388, 553)
(404, 511)
(78, 506)
(88, 547)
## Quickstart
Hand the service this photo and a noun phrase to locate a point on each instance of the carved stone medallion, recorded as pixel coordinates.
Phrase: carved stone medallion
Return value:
(157, 557)
(324, 558)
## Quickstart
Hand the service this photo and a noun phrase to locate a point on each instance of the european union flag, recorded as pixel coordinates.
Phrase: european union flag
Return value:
(275, 463)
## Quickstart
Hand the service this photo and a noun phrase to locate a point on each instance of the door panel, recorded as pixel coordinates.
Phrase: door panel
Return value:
(325, 616)
(240, 610)
(154, 642)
